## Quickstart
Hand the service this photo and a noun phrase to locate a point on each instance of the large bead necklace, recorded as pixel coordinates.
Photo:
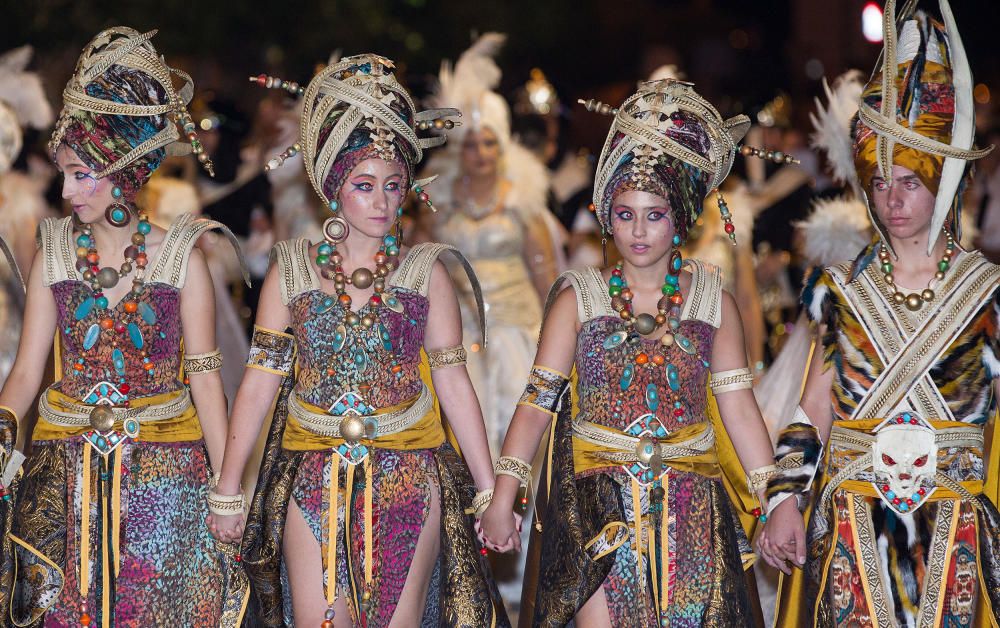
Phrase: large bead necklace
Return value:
(127, 324)
(330, 263)
(914, 300)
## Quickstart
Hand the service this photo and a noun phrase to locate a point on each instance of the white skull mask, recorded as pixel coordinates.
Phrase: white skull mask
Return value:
(903, 455)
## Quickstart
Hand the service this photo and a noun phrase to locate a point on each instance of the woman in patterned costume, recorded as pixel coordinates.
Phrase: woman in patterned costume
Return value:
(903, 529)
(107, 526)
(639, 530)
(361, 513)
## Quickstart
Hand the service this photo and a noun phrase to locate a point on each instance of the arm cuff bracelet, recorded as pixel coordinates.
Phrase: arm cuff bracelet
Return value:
(544, 387)
(225, 504)
(203, 362)
(271, 351)
(443, 358)
(480, 503)
(728, 381)
(514, 467)
(758, 478)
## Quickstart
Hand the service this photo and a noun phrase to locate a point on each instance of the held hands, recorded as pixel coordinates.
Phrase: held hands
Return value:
(226, 528)
(499, 528)
(783, 538)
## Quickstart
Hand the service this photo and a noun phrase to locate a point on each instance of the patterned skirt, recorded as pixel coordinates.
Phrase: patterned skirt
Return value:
(166, 570)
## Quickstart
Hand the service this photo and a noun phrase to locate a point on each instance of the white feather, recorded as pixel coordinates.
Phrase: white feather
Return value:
(832, 125)
(835, 231)
(22, 90)
(469, 86)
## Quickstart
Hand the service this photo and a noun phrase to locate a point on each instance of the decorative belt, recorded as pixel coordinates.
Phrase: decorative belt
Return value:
(353, 420)
(74, 414)
(901, 453)
(644, 449)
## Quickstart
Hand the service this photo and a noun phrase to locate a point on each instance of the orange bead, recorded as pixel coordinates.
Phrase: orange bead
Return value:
(642, 358)
(658, 360)
(148, 366)
(327, 623)
(107, 323)
(625, 314)
(93, 258)
(85, 619)
(131, 307)
(677, 299)
(330, 372)
(627, 294)
(397, 368)
(345, 300)
(77, 367)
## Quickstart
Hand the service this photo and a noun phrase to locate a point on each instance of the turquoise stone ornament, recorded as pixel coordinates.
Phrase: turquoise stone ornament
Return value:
(685, 344)
(90, 338)
(627, 376)
(102, 302)
(392, 303)
(147, 313)
(615, 339)
(84, 308)
(118, 360)
(326, 304)
(384, 335)
(673, 378)
(652, 397)
(339, 337)
(135, 335)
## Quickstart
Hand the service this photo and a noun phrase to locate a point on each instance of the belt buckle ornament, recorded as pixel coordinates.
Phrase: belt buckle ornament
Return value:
(904, 460)
(356, 424)
(104, 396)
(648, 466)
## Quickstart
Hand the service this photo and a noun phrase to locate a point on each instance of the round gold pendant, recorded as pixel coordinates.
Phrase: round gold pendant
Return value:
(352, 428)
(102, 418)
(913, 302)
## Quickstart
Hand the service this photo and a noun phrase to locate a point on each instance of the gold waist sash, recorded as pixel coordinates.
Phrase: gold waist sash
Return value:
(413, 424)
(165, 418)
(690, 448)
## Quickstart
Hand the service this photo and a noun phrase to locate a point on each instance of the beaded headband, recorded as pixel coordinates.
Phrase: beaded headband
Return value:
(126, 47)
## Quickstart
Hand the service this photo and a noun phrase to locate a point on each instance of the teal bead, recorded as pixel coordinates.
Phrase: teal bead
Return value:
(116, 192)
(392, 250)
(389, 241)
(677, 240)
(616, 281)
(83, 240)
(118, 215)
(144, 228)
(334, 205)
(325, 249)
(102, 302)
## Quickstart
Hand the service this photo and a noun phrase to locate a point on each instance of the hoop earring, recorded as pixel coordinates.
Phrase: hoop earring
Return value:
(335, 228)
(118, 214)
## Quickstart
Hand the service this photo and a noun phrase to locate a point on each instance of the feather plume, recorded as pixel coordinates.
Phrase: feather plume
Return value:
(22, 90)
(835, 231)
(832, 125)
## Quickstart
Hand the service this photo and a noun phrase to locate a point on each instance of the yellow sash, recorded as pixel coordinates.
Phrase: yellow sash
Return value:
(586, 455)
(182, 428)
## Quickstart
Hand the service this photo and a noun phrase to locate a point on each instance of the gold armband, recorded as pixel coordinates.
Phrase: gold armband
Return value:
(758, 478)
(514, 467)
(7, 412)
(480, 503)
(443, 358)
(203, 362)
(544, 388)
(271, 351)
(728, 381)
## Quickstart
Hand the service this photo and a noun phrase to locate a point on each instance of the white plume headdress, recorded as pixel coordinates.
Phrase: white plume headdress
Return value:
(469, 86)
(22, 103)
(836, 230)
(832, 126)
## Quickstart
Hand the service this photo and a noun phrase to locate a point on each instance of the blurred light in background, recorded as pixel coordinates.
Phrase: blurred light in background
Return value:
(871, 22)
(982, 94)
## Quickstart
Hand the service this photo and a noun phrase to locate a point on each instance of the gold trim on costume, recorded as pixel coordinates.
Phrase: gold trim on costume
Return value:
(545, 386)
(758, 478)
(480, 503)
(450, 356)
(203, 362)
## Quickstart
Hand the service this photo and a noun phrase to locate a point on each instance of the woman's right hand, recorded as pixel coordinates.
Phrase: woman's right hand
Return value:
(500, 528)
(226, 528)
(783, 538)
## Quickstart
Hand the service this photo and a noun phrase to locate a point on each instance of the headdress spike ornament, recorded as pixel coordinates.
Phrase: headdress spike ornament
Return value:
(914, 39)
(126, 47)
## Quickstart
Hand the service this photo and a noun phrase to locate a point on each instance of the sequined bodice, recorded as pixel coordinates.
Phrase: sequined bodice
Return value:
(140, 348)
(620, 382)
(381, 362)
(496, 235)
